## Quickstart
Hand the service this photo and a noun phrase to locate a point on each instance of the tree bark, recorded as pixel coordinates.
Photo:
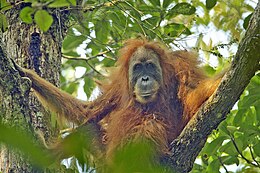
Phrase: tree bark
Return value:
(246, 62)
(33, 49)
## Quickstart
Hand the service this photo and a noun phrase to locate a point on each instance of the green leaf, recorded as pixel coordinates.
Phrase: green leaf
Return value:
(210, 4)
(15, 138)
(131, 153)
(209, 70)
(232, 129)
(89, 2)
(229, 149)
(175, 30)
(94, 47)
(5, 5)
(223, 127)
(99, 14)
(43, 19)
(71, 42)
(108, 62)
(26, 14)
(246, 21)
(239, 117)
(238, 134)
(250, 117)
(250, 100)
(166, 3)
(256, 149)
(3, 22)
(59, 3)
(118, 20)
(257, 109)
(72, 87)
(31, 1)
(230, 160)
(62, 3)
(212, 147)
(240, 143)
(88, 86)
(155, 2)
(182, 8)
(255, 81)
(102, 29)
(214, 166)
(71, 53)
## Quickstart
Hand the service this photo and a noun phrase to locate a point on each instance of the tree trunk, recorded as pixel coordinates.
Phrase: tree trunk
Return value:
(33, 49)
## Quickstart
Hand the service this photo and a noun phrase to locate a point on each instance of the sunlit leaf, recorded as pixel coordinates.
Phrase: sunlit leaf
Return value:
(26, 14)
(175, 30)
(5, 5)
(62, 3)
(232, 129)
(209, 70)
(43, 19)
(239, 117)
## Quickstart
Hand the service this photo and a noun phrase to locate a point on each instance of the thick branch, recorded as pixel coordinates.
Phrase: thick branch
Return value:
(246, 62)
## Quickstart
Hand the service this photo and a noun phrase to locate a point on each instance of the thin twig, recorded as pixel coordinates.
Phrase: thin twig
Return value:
(222, 164)
(252, 155)
(240, 153)
(93, 68)
(91, 57)
(137, 21)
(86, 74)
(148, 28)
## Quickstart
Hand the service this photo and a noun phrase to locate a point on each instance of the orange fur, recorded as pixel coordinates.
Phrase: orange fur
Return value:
(185, 88)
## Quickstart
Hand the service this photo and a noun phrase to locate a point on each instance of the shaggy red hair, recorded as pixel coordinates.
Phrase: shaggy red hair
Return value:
(185, 88)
